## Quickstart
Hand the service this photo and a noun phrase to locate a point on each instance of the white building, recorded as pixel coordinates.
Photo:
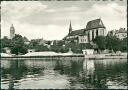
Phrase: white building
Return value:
(121, 33)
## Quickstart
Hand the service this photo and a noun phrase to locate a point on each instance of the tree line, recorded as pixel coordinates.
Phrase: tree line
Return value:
(100, 43)
(111, 43)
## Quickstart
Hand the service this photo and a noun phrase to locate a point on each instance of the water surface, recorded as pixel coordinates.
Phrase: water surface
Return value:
(64, 74)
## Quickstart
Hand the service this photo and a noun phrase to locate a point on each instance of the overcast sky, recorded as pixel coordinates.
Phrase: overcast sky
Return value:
(50, 19)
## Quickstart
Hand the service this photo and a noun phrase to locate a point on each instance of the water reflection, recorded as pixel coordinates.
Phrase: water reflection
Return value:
(111, 71)
(63, 74)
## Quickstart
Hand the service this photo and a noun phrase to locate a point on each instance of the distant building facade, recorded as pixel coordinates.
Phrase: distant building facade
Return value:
(121, 33)
(93, 29)
(12, 31)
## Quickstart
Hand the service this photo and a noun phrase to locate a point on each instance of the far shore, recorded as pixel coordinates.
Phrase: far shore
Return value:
(59, 56)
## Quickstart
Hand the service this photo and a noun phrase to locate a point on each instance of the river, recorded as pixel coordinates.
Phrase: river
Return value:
(64, 74)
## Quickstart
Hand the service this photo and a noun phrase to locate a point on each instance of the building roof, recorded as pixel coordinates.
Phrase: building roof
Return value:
(97, 23)
(77, 32)
(25, 39)
(70, 39)
(122, 30)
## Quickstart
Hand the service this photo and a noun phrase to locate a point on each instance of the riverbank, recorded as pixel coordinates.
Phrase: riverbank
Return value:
(73, 56)
(105, 56)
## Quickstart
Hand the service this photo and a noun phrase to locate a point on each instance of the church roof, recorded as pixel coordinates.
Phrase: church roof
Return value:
(77, 32)
(97, 23)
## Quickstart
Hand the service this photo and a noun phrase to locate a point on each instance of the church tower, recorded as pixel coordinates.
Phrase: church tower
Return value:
(12, 31)
(70, 28)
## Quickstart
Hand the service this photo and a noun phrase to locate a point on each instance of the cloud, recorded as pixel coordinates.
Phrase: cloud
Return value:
(72, 8)
(113, 15)
(50, 10)
(35, 19)
(18, 9)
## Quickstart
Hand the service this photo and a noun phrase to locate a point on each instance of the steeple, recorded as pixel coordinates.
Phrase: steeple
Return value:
(70, 28)
(12, 31)
(12, 25)
(12, 28)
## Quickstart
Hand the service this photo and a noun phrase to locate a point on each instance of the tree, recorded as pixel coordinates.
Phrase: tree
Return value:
(75, 47)
(101, 42)
(5, 42)
(18, 45)
(39, 48)
(58, 46)
(123, 45)
(113, 43)
(33, 43)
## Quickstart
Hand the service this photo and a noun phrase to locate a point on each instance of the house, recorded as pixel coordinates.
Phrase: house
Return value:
(121, 33)
(7, 50)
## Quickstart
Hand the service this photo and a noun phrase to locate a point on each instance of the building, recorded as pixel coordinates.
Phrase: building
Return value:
(93, 29)
(12, 31)
(77, 36)
(7, 50)
(121, 33)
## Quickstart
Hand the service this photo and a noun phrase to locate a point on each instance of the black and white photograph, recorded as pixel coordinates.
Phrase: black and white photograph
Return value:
(63, 44)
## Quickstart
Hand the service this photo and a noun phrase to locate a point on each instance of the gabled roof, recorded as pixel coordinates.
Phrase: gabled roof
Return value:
(77, 32)
(97, 23)
(122, 30)
(25, 39)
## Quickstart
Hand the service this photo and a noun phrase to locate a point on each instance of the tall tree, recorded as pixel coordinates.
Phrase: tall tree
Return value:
(5, 42)
(18, 45)
(101, 42)
(112, 43)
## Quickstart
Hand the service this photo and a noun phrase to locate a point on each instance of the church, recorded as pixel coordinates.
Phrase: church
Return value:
(93, 29)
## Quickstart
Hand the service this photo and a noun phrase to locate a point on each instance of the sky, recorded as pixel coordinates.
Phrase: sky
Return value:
(50, 19)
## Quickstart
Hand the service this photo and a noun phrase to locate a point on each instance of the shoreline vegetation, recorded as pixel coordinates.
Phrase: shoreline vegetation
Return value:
(19, 46)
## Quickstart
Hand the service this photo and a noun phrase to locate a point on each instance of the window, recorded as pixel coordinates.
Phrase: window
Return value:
(92, 34)
(96, 32)
(88, 36)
